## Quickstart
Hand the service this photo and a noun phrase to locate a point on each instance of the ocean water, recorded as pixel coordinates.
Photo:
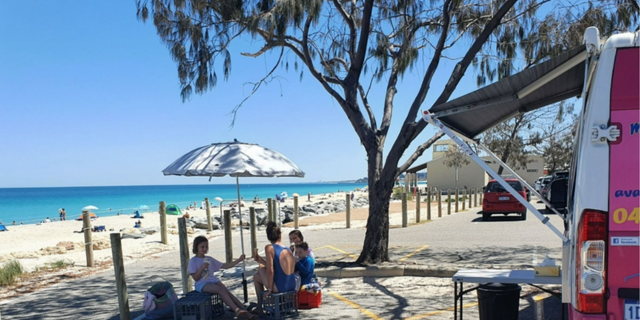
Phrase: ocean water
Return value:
(33, 205)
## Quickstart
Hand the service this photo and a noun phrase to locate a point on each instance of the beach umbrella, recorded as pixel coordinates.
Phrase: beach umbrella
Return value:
(143, 207)
(235, 159)
(87, 208)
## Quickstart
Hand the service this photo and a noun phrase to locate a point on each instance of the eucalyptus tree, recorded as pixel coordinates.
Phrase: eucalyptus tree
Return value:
(346, 46)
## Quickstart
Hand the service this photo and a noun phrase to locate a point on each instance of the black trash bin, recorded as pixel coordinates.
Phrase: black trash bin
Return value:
(499, 301)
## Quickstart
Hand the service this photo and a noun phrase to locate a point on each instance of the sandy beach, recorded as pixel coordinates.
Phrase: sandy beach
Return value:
(37, 247)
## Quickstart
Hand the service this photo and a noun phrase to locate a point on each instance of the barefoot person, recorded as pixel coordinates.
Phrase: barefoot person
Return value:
(202, 267)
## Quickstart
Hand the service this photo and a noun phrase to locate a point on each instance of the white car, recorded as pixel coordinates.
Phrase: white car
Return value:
(538, 184)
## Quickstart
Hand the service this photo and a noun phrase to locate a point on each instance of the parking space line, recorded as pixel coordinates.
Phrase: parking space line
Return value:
(355, 306)
(420, 316)
(412, 253)
(344, 252)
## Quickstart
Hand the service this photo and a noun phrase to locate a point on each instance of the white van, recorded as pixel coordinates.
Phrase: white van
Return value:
(601, 240)
(601, 268)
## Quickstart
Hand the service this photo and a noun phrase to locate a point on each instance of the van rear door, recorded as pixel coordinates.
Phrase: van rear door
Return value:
(624, 194)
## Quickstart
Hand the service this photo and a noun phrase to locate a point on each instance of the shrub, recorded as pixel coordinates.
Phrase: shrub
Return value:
(9, 272)
(397, 194)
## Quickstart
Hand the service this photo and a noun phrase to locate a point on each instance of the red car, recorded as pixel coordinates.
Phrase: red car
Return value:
(498, 200)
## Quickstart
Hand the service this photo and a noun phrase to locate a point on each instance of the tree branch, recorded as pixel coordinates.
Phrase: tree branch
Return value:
(419, 151)
(353, 77)
(462, 66)
(352, 27)
(365, 102)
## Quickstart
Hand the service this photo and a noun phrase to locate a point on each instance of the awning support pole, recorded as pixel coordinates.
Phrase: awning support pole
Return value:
(426, 116)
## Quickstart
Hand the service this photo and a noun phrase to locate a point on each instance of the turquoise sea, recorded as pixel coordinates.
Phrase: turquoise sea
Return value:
(32, 205)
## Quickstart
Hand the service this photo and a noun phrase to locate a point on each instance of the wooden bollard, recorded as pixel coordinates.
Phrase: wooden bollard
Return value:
(449, 202)
(457, 198)
(404, 211)
(88, 244)
(464, 195)
(428, 204)
(276, 214)
(206, 202)
(295, 211)
(118, 269)
(184, 255)
(469, 191)
(270, 209)
(348, 218)
(475, 197)
(254, 228)
(439, 195)
(418, 206)
(163, 223)
(228, 245)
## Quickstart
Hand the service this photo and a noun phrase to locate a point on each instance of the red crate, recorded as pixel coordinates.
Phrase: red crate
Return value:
(307, 300)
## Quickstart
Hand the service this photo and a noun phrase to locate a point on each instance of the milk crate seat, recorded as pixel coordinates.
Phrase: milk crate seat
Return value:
(217, 308)
(193, 307)
(279, 305)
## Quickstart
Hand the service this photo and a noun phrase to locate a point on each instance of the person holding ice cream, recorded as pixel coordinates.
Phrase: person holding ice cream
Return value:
(202, 267)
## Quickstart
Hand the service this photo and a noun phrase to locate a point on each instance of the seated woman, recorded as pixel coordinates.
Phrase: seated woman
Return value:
(279, 266)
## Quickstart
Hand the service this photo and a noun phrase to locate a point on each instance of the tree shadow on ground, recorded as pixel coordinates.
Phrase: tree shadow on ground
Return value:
(524, 256)
(72, 301)
(402, 302)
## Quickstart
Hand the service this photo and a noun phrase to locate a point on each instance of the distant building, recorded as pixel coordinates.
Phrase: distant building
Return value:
(472, 175)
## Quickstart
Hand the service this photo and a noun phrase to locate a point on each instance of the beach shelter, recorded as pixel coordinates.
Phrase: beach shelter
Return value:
(173, 209)
(235, 159)
(2, 227)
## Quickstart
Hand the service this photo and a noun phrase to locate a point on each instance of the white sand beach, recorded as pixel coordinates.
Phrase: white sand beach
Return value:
(35, 246)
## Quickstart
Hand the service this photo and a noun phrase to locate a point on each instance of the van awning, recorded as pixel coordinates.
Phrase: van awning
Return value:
(551, 81)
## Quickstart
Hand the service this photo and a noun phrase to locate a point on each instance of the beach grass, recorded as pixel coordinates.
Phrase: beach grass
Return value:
(9, 272)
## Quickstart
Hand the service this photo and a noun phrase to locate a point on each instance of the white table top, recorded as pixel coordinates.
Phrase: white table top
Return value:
(502, 276)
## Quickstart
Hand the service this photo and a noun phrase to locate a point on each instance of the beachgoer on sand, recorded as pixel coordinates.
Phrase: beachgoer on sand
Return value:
(47, 220)
(202, 267)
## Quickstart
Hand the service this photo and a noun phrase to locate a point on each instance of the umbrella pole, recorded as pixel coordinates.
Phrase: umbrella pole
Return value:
(244, 279)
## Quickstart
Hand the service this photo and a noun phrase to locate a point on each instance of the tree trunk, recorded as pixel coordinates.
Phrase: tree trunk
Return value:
(376, 242)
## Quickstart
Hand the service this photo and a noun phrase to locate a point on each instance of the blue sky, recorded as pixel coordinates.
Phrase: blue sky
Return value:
(89, 96)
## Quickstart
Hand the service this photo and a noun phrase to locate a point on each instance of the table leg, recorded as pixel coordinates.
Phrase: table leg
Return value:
(455, 300)
(461, 304)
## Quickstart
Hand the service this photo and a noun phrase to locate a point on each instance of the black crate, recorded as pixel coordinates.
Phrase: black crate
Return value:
(217, 308)
(280, 305)
(192, 308)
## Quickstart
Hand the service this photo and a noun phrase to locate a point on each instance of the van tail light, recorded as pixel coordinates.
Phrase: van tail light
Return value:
(591, 271)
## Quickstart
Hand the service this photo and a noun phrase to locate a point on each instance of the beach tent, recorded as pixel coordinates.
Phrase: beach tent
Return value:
(91, 216)
(173, 209)
(2, 227)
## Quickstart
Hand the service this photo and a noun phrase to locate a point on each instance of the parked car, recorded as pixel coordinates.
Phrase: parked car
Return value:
(543, 187)
(556, 191)
(538, 184)
(498, 200)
